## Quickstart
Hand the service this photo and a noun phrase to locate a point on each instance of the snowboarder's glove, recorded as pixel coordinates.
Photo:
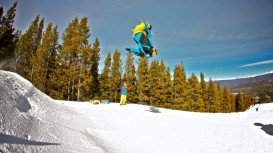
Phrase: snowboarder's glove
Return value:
(147, 55)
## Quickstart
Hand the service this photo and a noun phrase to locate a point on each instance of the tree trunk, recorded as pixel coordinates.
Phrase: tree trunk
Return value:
(79, 92)
(32, 67)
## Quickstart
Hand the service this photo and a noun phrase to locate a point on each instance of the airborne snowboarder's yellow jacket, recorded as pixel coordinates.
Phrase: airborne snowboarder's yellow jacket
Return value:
(140, 28)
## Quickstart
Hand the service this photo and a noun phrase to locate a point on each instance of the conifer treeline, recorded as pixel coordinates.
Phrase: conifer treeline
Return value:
(70, 70)
(67, 71)
(152, 84)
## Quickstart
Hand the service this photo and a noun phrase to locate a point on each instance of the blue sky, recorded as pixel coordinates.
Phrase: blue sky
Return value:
(221, 38)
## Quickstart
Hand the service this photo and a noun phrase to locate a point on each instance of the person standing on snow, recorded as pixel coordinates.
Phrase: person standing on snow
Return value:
(123, 92)
(142, 35)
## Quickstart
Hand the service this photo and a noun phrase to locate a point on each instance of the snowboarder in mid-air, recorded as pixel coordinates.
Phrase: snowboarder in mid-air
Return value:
(142, 35)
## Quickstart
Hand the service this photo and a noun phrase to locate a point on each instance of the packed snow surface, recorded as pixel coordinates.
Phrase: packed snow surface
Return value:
(33, 122)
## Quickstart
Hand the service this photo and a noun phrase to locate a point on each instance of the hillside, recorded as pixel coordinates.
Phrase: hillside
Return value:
(33, 122)
(260, 86)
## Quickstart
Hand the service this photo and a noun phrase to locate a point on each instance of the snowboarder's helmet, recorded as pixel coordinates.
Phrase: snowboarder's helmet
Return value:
(152, 52)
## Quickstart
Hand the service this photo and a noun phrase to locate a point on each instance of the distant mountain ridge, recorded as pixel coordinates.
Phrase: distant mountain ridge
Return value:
(260, 85)
(234, 82)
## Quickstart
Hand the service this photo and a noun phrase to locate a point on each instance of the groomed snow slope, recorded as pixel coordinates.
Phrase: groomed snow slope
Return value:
(32, 122)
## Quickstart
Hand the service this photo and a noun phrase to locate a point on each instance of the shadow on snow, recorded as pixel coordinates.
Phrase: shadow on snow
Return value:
(10, 139)
(154, 110)
(268, 128)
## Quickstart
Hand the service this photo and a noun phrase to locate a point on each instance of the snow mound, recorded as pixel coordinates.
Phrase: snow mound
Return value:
(33, 122)
(19, 92)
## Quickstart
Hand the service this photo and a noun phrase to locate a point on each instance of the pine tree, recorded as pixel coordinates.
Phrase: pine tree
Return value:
(143, 81)
(165, 85)
(85, 78)
(195, 94)
(56, 84)
(168, 92)
(156, 85)
(190, 104)
(162, 85)
(203, 86)
(52, 61)
(59, 80)
(69, 58)
(116, 72)
(226, 101)
(83, 61)
(105, 86)
(211, 93)
(233, 102)
(249, 101)
(239, 102)
(26, 48)
(75, 57)
(36, 41)
(8, 35)
(95, 57)
(130, 77)
(179, 85)
(246, 102)
(218, 100)
(45, 59)
(51, 86)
